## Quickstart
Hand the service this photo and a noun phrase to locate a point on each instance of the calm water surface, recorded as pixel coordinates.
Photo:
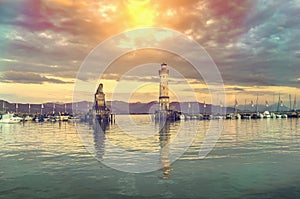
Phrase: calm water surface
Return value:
(252, 159)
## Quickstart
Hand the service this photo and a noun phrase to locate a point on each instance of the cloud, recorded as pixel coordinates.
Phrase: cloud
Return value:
(253, 42)
(237, 89)
(28, 78)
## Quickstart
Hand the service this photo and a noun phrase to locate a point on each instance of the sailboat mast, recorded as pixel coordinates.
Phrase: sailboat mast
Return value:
(295, 104)
(235, 105)
(245, 105)
(257, 104)
(42, 106)
(278, 104)
(290, 97)
(273, 109)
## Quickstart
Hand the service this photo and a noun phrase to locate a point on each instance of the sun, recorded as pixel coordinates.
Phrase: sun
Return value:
(141, 13)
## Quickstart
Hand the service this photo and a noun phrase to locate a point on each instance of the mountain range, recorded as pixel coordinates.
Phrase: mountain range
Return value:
(121, 107)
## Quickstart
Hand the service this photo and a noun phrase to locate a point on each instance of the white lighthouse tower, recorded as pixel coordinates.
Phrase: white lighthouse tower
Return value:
(163, 88)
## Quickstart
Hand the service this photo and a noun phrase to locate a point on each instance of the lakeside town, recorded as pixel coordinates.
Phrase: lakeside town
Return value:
(162, 110)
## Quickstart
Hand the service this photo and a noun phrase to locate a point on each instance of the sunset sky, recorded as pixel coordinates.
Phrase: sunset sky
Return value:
(254, 43)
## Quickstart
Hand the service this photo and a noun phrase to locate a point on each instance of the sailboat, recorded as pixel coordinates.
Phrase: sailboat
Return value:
(279, 109)
(236, 114)
(256, 115)
(267, 114)
(293, 110)
(28, 117)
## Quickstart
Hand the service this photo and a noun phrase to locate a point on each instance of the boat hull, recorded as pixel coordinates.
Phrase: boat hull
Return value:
(9, 119)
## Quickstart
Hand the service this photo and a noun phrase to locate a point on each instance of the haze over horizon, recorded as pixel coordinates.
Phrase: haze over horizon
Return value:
(254, 44)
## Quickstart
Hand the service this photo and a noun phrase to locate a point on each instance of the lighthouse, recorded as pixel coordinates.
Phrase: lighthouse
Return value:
(165, 113)
(163, 88)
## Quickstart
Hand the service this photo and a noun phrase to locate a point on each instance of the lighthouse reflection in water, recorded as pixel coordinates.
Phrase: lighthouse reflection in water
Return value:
(108, 136)
(164, 138)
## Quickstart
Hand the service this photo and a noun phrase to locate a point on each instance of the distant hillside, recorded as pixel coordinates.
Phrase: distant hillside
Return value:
(120, 107)
(47, 107)
(261, 108)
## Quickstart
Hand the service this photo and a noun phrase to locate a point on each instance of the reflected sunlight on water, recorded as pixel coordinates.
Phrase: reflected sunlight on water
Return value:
(252, 159)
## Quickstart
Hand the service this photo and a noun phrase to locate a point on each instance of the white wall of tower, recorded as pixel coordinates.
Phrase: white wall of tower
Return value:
(164, 89)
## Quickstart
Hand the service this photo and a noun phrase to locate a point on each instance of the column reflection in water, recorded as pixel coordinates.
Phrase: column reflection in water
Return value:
(164, 139)
(123, 152)
(99, 138)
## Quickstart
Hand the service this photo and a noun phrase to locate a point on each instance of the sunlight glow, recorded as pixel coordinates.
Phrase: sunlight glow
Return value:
(64, 2)
(141, 13)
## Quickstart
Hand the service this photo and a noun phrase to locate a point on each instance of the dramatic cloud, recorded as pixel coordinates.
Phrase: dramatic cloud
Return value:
(253, 42)
(28, 78)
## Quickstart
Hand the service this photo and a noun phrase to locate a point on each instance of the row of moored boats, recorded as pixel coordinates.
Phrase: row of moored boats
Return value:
(11, 118)
(231, 116)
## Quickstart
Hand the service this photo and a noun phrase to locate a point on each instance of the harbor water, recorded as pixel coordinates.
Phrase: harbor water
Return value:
(251, 159)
